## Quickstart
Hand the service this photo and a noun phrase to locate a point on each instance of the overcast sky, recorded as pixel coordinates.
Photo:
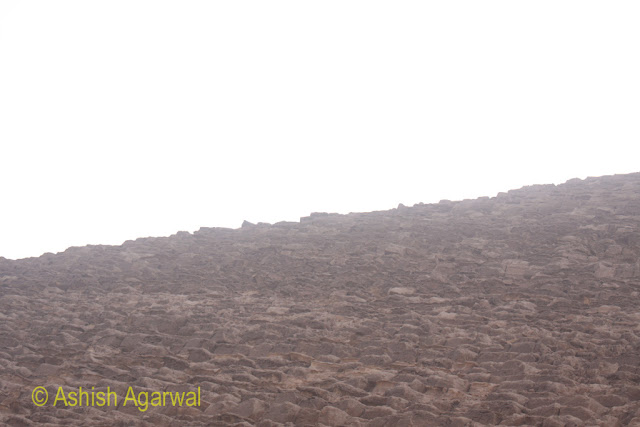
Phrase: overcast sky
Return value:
(125, 119)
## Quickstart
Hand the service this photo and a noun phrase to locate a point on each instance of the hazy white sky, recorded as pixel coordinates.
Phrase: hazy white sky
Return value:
(124, 119)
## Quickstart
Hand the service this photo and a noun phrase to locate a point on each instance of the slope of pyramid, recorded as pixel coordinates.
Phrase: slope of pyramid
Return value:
(520, 309)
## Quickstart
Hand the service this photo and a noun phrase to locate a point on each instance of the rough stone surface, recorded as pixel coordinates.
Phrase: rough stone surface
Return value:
(520, 309)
